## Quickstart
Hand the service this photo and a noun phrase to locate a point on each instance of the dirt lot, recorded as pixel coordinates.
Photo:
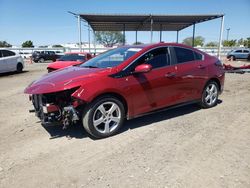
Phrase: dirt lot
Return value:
(185, 147)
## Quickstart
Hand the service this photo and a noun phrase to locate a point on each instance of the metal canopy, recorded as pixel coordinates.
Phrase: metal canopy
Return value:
(146, 22)
(118, 22)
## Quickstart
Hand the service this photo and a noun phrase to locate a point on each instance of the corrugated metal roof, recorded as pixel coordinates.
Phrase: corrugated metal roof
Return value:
(117, 22)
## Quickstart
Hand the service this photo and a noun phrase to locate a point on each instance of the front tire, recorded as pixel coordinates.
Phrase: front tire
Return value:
(232, 58)
(103, 117)
(41, 60)
(210, 95)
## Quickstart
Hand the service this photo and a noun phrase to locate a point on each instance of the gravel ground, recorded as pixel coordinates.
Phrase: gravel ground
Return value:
(184, 147)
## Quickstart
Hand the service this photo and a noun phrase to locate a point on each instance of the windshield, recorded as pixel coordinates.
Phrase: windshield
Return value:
(72, 57)
(112, 58)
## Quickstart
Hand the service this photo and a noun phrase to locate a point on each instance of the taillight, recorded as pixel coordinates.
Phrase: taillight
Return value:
(219, 63)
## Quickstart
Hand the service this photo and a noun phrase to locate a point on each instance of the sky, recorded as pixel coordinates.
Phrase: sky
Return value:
(48, 22)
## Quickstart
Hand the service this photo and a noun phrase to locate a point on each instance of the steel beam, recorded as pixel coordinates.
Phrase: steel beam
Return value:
(177, 37)
(151, 29)
(221, 36)
(193, 35)
(79, 33)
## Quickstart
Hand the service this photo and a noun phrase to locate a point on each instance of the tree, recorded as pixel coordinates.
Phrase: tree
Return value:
(57, 46)
(229, 43)
(28, 44)
(4, 44)
(247, 42)
(109, 38)
(240, 42)
(212, 44)
(198, 41)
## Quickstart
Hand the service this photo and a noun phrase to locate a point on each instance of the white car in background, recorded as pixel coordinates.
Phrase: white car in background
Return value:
(9, 62)
(25, 55)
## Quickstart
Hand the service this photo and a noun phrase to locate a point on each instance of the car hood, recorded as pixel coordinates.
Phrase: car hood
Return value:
(62, 64)
(64, 79)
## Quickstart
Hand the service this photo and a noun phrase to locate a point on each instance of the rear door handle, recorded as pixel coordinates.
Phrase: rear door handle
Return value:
(170, 75)
(201, 67)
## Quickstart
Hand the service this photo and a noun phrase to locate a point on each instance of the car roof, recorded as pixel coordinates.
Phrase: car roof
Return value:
(158, 44)
(84, 53)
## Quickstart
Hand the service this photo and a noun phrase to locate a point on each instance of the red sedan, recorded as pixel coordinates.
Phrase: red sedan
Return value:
(69, 59)
(125, 83)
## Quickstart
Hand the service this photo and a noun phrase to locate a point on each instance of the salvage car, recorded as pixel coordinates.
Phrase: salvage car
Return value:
(9, 61)
(69, 59)
(125, 83)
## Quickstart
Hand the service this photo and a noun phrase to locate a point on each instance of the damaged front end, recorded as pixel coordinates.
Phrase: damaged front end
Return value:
(57, 108)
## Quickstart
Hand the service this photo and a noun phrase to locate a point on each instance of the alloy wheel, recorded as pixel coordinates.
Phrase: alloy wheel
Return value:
(107, 117)
(211, 94)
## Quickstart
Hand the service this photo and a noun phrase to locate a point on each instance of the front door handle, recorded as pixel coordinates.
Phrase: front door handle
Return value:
(201, 67)
(170, 75)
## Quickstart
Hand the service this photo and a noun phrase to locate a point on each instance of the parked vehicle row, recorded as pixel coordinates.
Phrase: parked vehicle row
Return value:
(9, 61)
(125, 83)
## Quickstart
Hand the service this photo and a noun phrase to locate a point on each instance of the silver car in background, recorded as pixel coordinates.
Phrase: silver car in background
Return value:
(239, 54)
(9, 61)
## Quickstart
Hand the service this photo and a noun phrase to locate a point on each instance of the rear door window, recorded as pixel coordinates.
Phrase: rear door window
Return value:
(245, 51)
(184, 55)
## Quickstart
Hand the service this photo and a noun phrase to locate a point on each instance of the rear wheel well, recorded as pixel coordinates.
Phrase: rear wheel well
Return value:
(116, 95)
(215, 80)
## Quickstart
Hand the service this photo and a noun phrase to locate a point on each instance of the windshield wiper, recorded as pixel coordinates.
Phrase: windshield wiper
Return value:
(89, 66)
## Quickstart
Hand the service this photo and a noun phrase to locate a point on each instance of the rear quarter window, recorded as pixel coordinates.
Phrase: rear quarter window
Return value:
(197, 56)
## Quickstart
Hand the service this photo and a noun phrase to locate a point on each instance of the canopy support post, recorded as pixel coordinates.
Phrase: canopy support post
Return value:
(177, 37)
(123, 34)
(89, 36)
(221, 36)
(151, 29)
(94, 43)
(136, 37)
(79, 33)
(160, 32)
(193, 34)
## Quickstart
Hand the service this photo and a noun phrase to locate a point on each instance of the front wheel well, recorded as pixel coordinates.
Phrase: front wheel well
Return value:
(116, 95)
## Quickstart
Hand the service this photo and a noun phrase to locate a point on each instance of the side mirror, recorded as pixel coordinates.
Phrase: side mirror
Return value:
(143, 68)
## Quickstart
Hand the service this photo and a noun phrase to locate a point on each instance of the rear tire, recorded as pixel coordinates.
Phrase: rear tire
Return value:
(103, 117)
(19, 67)
(210, 95)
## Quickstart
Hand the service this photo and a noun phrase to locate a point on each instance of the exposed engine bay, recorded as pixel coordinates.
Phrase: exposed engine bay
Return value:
(57, 108)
